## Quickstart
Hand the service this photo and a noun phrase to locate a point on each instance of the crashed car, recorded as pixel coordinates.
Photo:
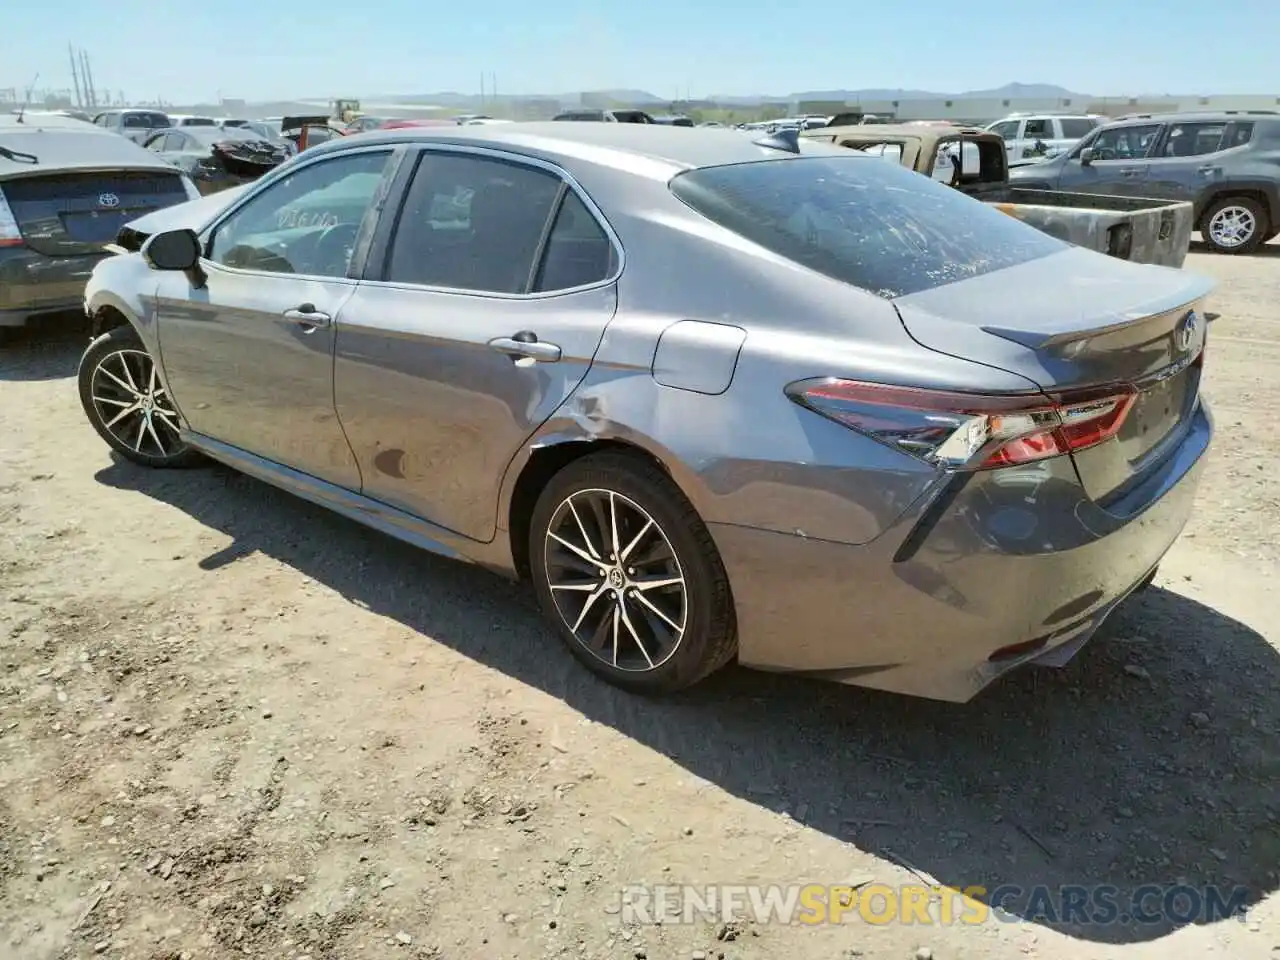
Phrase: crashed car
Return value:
(66, 188)
(834, 419)
(309, 131)
(216, 158)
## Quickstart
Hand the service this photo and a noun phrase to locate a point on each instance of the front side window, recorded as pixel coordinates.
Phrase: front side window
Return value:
(472, 223)
(1125, 143)
(1008, 129)
(876, 226)
(305, 223)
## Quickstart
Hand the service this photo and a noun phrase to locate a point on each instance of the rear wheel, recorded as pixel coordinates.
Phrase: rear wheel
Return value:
(1235, 225)
(627, 572)
(124, 399)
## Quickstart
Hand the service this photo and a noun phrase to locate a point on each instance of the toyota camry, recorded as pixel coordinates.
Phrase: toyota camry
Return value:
(716, 398)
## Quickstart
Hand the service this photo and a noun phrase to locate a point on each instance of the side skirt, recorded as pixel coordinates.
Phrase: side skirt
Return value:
(494, 556)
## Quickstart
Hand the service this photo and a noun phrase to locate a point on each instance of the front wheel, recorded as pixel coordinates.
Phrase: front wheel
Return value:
(125, 401)
(629, 575)
(1235, 225)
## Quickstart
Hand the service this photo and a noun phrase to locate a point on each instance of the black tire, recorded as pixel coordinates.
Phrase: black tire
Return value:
(1250, 243)
(708, 640)
(120, 351)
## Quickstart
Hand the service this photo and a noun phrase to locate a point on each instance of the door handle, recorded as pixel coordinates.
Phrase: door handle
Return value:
(308, 316)
(526, 344)
(1206, 169)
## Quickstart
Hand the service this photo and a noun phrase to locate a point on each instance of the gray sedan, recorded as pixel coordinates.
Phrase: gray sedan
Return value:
(718, 398)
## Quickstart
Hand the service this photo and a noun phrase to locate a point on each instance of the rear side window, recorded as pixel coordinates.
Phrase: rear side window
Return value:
(1038, 128)
(864, 222)
(578, 251)
(1073, 128)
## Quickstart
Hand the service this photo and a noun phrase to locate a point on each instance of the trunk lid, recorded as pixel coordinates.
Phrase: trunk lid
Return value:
(70, 213)
(1078, 319)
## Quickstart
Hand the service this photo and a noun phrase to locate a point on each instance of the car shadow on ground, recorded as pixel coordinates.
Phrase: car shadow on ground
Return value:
(47, 350)
(1149, 760)
(1266, 250)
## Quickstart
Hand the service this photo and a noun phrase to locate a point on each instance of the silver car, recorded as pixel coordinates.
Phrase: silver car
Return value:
(718, 398)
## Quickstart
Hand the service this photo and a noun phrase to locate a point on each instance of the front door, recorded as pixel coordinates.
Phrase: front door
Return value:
(1119, 164)
(249, 355)
(483, 315)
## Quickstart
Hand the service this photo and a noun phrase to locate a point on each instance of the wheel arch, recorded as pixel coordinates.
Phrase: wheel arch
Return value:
(1255, 192)
(550, 453)
(107, 311)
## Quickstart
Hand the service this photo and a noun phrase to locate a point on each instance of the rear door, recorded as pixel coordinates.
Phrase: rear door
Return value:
(1190, 157)
(480, 312)
(75, 213)
(1120, 165)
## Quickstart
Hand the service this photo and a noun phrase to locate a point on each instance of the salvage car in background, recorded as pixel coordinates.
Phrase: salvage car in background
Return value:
(1041, 135)
(216, 158)
(1226, 164)
(66, 188)
(974, 161)
(840, 420)
(137, 125)
(309, 131)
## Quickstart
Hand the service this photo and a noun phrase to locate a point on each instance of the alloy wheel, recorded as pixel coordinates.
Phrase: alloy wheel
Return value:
(133, 405)
(1232, 226)
(616, 580)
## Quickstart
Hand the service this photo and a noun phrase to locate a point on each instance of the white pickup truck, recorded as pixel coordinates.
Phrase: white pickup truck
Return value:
(1042, 135)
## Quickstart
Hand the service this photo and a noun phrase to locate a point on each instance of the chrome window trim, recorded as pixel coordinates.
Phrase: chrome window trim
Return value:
(520, 159)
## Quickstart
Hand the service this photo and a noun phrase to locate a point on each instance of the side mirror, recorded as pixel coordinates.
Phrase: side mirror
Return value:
(175, 250)
(1087, 156)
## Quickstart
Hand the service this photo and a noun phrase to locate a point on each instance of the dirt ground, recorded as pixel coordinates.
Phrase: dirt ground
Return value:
(233, 725)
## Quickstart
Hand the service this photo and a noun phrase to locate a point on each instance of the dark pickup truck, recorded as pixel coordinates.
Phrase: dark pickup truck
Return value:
(974, 161)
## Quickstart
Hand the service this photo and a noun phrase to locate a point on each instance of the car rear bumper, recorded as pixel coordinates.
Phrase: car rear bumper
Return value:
(995, 570)
(32, 283)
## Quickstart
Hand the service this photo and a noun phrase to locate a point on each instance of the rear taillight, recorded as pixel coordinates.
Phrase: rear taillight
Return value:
(10, 235)
(965, 431)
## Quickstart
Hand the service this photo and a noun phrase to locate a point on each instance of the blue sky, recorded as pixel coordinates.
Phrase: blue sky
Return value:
(255, 49)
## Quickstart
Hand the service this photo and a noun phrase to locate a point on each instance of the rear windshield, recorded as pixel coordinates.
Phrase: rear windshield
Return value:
(862, 221)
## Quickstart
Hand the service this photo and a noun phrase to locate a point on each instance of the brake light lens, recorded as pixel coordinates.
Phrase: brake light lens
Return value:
(963, 431)
(10, 235)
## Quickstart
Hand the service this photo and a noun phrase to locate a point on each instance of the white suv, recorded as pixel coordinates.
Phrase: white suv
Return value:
(1027, 135)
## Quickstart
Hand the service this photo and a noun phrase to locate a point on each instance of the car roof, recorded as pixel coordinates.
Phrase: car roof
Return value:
(1203, 116)
(70, 144)
(635, 146)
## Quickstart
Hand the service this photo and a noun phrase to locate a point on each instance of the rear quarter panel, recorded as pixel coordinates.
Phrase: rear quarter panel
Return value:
(748, 455)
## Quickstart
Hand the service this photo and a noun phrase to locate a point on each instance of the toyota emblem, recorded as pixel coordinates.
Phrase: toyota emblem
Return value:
(109, 200)
(1186, 334)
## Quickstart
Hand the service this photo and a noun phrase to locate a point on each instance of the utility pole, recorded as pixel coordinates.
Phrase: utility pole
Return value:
(75, 76)
(482, 100)
(86, 77)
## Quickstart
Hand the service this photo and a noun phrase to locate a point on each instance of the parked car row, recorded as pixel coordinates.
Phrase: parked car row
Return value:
(841, 419)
